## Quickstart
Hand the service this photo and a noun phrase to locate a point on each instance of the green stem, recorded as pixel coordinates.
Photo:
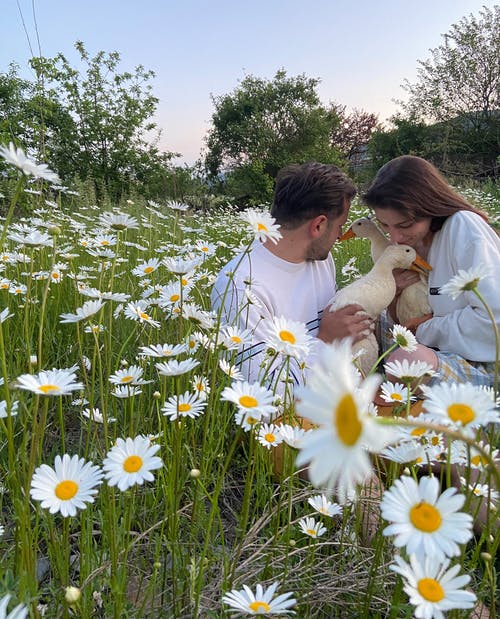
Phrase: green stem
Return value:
(497, 338)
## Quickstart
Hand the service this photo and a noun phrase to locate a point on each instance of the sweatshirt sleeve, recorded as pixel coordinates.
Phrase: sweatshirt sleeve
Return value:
(463, 325)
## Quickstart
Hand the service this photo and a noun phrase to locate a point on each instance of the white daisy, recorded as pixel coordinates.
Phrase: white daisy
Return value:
(125, 391)
(287, 337)
(262, 224)
(292, 435)
(404, 338)
(184, 405)
(336, 400)
(425, 521)
(176, 368)
(231, 370)
(130, 462)
(324, 506)
(15, 156)
(465, 280)
(32, 239)
(95, 414)
(18, 612)
(88, 309)
(312, 528)
(432, 587)
(118, 221)
(4, 412)
(5, 314)
(162, 350)
(181, 266)
(50, 382)
(69, 486)
(131, 375)
(394, 392)
(201, 386)
(233, 338)
(136, 310)
(269, 435)
(248, 397)
(145, 268)
(262, 602)
(408, 372)
(460, 405)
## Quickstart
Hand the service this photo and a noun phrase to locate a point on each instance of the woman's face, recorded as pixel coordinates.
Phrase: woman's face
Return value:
(403, 230)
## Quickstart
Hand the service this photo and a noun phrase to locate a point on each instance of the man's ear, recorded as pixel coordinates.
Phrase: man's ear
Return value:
(317, 226)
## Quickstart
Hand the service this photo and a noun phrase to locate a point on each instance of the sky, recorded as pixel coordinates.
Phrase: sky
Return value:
(360, 50)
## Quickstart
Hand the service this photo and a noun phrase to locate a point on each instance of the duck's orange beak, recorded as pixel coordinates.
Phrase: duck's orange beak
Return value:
(348, 234)
(420, 266)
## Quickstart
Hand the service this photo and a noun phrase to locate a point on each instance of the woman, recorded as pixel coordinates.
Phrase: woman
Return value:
(416, 206)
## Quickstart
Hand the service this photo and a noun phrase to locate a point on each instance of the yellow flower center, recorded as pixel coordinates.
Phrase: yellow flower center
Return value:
(435, 441)
(248, 401)
(251, 420)
(478, 461)
(286, 336)
(144, 316)
(236, 339)
(49, 388)
(270, 438)
(204, 248)
(261, 227)
(175, 297)
(346, 421)
(66, 489)
(259, 606)
(184, 407)
(425, 517)
(311, 532)
(127, 379)
(461, 412)
(184, 281)
(148, 270)
(396, 396)
(430, 589)
(55, 275)
(104, 242)
(132, 464)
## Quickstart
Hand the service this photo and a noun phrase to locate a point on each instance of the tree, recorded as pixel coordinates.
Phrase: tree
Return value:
(263, 125)
(110, 115)
(353, 131)
(460, 85)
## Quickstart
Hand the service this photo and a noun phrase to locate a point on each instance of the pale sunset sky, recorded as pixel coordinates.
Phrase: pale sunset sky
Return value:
(361, 50)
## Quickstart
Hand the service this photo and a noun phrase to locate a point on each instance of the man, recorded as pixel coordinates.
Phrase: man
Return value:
(293, 278)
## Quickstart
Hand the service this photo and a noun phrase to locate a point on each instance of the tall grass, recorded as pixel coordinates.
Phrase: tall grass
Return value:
(219, 513)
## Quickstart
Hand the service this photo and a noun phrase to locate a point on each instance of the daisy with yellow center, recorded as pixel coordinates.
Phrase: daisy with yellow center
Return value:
(424, 521)
(69, 486)
(50, 382)
(269, 435)
(263, 225)
(287, 337)
(394, 392)
(136, 310)
(460, 405)
(432, 587)
(324, 506)
(337, 401)
(146, 268)
(131, 375)
(184, 405)
(251, 398)
(130, 462)
(262, 602)
(310, 527)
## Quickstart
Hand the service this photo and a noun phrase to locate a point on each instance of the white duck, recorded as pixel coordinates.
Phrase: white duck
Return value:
(374, 292)
(413, 301)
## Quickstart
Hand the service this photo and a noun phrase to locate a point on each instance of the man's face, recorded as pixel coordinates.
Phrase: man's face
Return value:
(321, 246)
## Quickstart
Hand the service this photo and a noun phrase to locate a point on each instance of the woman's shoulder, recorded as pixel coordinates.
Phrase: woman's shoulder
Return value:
(466, 220)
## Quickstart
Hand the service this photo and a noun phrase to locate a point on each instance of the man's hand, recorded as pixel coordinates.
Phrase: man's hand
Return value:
(350, 321)
(404, 278)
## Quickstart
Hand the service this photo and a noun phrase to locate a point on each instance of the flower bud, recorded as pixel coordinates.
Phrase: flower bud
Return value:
(72, 595)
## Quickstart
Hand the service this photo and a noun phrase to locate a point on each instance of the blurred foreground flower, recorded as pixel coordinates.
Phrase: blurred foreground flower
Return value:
(19, 612)
(15, 156)
(68, 486)
(337, 400)
(432, 588)
(465, 280)
(260, 603)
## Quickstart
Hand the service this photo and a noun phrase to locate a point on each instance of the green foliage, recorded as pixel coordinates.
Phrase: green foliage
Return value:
(265, 124)
(458, 88)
